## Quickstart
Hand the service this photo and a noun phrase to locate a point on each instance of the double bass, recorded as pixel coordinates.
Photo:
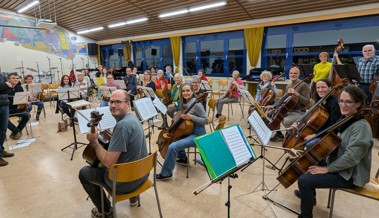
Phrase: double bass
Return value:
(319, 151)
(89, 153)
(310, 122)
(179, 129)
(333, 75)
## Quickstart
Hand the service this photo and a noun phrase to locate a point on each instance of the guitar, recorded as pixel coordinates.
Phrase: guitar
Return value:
(89, 153)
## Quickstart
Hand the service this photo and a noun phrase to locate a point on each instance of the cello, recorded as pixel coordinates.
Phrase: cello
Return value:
(281, 107)
(319, 151)
(267, 94)
(179, 129)
(310, 122)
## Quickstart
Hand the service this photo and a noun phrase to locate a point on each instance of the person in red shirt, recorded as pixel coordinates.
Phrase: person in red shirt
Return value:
(161, 78)
(201, 74)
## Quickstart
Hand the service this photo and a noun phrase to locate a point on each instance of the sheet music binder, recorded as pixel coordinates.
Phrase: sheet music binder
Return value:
(348, 71)
(224, 150)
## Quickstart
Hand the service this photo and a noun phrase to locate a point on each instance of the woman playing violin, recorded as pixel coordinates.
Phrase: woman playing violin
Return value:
(175, 150)
(349, 165)
(235, 93)
(33, 97)
(266, 77)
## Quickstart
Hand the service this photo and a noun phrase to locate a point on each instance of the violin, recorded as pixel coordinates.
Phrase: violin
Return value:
(180, 128)
(229, 92)
(319, 151)
(267, 94)
(310, 122)
(89, 153)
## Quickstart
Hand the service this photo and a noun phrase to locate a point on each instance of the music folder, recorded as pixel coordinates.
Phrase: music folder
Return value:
(20, 98)
(224, 150)
(348, 71)
(107, 91)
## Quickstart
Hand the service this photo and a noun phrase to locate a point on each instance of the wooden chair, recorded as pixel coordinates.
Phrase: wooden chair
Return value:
(241, 105)
(128, 172)
(222, 86)
(211, 107)
(364, 192)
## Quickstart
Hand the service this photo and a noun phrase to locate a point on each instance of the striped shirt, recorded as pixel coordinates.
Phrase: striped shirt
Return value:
(368, 69)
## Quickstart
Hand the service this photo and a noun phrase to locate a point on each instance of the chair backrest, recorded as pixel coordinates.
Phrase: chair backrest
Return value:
(221, 122)
(210, 81)
(159, 93)
(128, 172)
(222, 82)
(212, 103)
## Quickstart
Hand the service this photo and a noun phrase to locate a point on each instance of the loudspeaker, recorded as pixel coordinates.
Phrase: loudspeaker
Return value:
(120, 52)
(92, 49)
(110, 52)
(153, 52)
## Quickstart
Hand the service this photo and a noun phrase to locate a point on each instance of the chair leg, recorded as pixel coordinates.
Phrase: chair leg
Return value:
(188, 162)
(157, 197)
(332, 202)
(102, 201)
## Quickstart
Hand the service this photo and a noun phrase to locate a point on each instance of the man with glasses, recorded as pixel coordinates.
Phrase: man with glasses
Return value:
(368, 67)
(196, 83)
(127, 144)
(110, 83)
(15, 110)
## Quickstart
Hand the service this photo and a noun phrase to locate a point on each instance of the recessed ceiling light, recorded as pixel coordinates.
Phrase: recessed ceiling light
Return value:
(203, 7)
(169, 14)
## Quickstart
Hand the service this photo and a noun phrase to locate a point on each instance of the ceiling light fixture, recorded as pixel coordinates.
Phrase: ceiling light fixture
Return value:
(26, 7)
(128, 22)
(203, 7)
(169, 14)
(90, 30)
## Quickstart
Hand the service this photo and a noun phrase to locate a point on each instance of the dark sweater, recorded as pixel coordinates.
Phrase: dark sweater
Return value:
(3, 91)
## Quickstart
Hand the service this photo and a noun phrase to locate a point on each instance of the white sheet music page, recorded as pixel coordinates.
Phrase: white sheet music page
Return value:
(159, 105)
(145, 108)
(20, 98)
(260, 128)
(84, 116)
(237, 145)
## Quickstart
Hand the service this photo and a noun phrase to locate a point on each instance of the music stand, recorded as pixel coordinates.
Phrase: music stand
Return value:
(69, 94)
(146, 111)
(306, 70)
(348, 71)
(224, 152)
(22, 98)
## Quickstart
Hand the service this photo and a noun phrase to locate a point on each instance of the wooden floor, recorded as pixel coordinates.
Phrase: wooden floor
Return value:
(42, 181)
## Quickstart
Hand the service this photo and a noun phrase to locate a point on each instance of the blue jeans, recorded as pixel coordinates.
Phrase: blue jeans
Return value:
(39, 106)
(177, 147)
(4, 113)
(104, 103)
(309, 182)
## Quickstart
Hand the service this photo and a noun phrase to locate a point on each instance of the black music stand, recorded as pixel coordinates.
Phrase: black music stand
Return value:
(74, 95)
(306, 70)
(216, 150)
(348, 71)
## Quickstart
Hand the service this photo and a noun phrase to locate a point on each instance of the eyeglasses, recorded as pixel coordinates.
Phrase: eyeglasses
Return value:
(346, 102)
(117, 102)
(195, 82)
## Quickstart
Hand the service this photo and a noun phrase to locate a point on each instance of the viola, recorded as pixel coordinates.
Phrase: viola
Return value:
(319, 151)
(310, 122)
(267, 94)
(180, 128)
(89, 153)
(229, 92)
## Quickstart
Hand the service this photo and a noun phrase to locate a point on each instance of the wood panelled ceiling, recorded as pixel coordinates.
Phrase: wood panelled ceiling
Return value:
(77, 15)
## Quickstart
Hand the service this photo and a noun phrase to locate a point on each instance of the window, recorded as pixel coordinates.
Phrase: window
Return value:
(153, 53)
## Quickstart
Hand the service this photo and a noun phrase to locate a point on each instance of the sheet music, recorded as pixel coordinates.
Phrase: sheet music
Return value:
(71, 93)
(79, 103)
(145, 108)
(35, 88)
(107, 91)
(121, 83)
(149, 92)
(206, 85)
(159, 105)
(84, 116)
(259, 127)
(20, 98)
(237, 144)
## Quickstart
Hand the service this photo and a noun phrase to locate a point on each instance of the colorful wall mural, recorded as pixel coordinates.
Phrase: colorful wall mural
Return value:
(55, 41)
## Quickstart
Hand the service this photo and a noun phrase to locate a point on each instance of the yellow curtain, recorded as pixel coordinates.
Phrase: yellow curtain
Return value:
(253, 40)
(127, 52)
(175, 47)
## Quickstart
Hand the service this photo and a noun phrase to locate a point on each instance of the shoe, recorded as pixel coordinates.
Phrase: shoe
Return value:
(7, 154)
(182, 161)
(133, 201)
(218, 115)
(37, 117)
(18, 135)
(298, 194)
(3, 162)
(162, 177)
(96, 214)
(277, 138)
(12, 135)
(160, 127)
